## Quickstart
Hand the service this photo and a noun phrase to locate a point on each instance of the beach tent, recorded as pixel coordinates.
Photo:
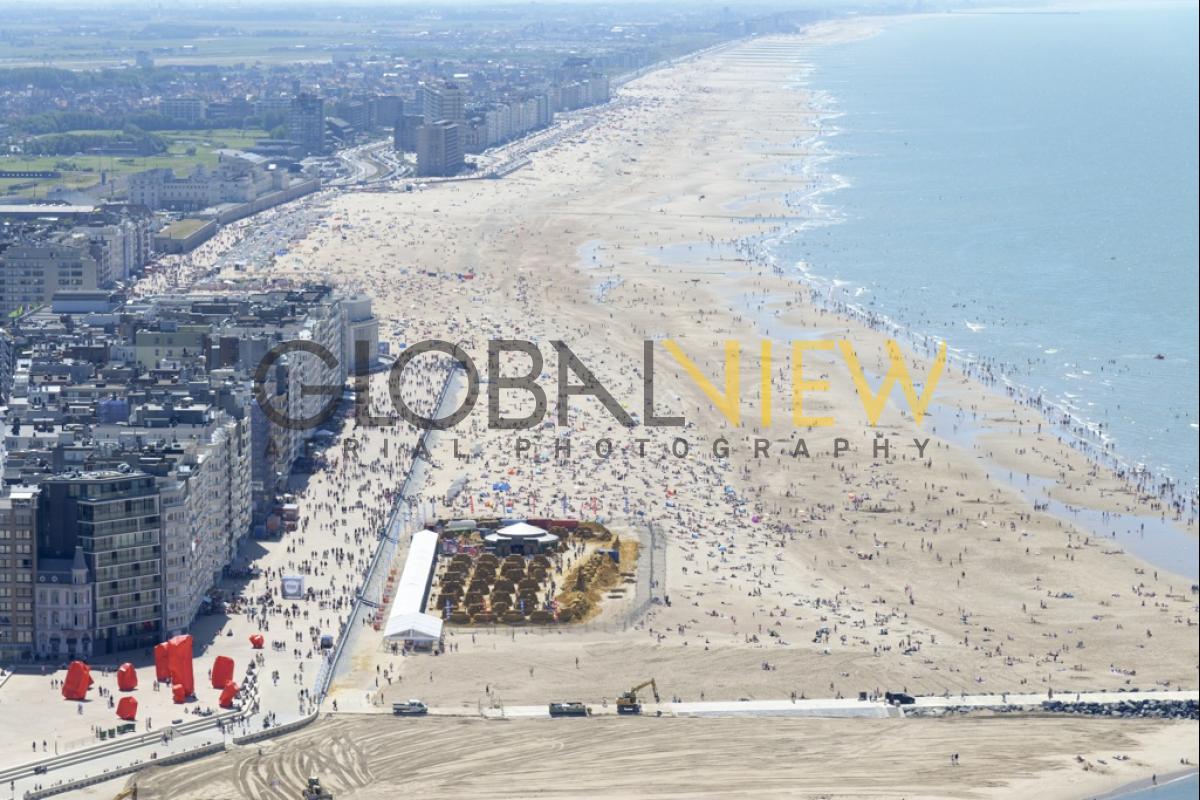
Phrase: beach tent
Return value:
(77, 682)
(127, 708)
(228, 694)
(413, 627)
(162, 661)
(406, 620)
(126, 677)
(523, 530)
(180, 660)
(222, 672)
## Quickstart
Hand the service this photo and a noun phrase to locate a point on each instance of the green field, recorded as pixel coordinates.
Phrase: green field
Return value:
(187, 148)
(181, 229)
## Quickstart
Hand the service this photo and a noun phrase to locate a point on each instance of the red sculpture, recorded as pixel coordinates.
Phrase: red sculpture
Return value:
(179, 694)
(127, 708)
(180, 660)
(162, 662)
(126, 677)
(222, 672)
(257, 641)
(78, 681)
(228, 694)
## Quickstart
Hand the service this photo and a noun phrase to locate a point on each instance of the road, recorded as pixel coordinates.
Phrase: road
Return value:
(834, 707)
(369, 163)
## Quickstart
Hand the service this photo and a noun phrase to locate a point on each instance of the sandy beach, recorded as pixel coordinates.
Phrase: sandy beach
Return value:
(933, 568)
(619, 758)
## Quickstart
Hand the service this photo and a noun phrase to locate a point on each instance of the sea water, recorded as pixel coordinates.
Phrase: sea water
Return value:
(1181, 789)
(1023, 186)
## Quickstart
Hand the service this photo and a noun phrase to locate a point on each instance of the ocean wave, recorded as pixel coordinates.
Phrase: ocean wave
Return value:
(1060, 409)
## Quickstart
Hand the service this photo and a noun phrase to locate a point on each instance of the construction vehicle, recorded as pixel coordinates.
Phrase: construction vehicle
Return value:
(573, 709)
(628, 702)
(314, 791)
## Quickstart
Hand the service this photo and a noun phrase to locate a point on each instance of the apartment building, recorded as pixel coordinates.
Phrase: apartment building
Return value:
(18, 568)
(64, 608)
(114, 517)
(184, 109)
(306, 124)
(439, 149)
(31, 272)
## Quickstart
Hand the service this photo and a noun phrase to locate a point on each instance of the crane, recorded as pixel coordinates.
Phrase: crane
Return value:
(628, 703)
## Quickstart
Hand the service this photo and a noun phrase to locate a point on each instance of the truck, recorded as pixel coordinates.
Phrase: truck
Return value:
(410, 708)
(568, 710)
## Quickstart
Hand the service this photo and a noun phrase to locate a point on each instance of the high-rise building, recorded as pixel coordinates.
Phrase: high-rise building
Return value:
(306, 123)
(114, 517)
(439, 149)
(388, 108)
(405, 135)
(18, 568)
(445, 101)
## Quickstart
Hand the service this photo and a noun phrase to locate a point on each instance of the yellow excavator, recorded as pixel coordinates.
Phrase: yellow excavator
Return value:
(628, 702)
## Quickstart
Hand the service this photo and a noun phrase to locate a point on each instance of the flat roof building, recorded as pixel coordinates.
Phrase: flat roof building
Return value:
(439, 149)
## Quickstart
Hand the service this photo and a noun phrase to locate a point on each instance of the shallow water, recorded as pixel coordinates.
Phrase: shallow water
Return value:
(1024, 186)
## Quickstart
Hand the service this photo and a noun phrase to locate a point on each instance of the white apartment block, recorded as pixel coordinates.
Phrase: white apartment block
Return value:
(206, 510)
(31, 273)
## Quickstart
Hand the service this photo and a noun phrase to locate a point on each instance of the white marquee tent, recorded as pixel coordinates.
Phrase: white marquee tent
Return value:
(407, 621)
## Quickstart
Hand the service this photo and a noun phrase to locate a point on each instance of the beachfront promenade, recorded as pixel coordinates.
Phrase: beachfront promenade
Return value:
(350, 504)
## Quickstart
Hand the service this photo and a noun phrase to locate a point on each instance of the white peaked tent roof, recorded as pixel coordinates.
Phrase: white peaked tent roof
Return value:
(417, 627)
(521, 530)
(406, 620)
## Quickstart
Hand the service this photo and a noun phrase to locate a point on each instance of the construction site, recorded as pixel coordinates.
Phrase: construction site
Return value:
(504, 572)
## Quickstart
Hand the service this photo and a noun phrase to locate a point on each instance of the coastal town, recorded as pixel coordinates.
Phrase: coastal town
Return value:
(419, 404)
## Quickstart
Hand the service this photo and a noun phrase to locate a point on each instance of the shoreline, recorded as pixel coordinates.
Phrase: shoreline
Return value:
(1130, 789)
(1078, 431)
